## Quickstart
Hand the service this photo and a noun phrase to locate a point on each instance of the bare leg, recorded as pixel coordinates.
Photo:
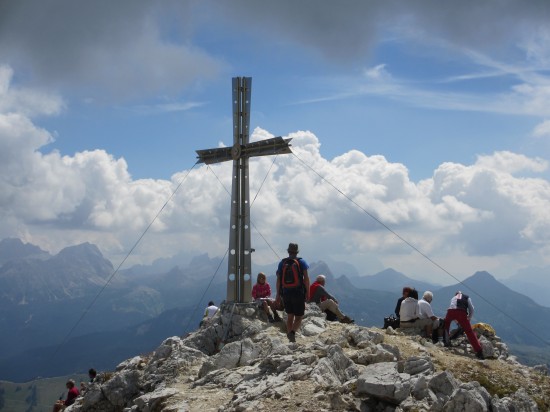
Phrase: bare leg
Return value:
(289, 322)
(273, 305)
(297, 323)
(265, 307)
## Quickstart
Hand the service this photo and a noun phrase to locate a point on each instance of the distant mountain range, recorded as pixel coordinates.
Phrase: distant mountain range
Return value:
(390, 280)
(44, 297)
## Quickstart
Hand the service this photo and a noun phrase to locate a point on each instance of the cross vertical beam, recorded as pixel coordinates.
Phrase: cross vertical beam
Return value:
(239, 262)
(239, 285)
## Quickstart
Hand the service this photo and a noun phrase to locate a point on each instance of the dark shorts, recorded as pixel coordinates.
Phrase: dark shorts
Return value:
(295, 303)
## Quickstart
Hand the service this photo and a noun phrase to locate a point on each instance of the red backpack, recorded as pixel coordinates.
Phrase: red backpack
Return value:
(291, 274)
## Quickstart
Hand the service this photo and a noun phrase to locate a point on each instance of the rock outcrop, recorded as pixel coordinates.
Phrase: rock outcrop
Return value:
(238, 362)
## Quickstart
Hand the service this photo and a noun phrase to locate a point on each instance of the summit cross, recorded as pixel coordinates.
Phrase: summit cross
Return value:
(239, 285)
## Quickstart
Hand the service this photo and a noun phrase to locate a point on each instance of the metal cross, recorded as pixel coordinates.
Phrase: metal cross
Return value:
(239, 285)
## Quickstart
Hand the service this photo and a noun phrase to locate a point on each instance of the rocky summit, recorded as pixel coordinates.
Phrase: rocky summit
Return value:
(240, 362)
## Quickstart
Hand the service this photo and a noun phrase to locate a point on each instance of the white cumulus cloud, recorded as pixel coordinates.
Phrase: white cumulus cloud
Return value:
(355, 206)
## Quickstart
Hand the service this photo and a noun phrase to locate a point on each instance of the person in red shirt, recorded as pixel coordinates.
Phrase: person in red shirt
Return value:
(325, 301)
(72, 394)
(261, 292)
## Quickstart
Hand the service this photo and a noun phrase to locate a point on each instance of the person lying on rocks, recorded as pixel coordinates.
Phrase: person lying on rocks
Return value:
(426, 312)
(261, 293)
(325, 300)
(410, 313)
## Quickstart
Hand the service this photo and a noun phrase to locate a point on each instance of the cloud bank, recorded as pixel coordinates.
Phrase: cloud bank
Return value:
(351, 207)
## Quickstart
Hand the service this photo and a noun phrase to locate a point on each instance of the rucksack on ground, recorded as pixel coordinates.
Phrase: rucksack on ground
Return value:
(392, 321)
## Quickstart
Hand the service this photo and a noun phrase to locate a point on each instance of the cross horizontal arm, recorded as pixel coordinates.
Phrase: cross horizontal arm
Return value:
(272, 146)
(209, 156)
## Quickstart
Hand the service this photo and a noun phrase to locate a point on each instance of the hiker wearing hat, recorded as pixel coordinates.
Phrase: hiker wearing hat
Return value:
(293, 288)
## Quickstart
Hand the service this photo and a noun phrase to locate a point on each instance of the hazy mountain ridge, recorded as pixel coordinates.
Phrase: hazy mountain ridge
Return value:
(533, 282)
(144, 303)
(69, 274)
(42, 299)
(15, 249)
(390, 280)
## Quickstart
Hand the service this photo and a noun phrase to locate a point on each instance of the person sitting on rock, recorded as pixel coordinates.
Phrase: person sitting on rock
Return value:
(209, 313)
(261, 292)
(72, 394)
(406, 291)
(426, 312)
(92, 374)
(325, 300)
(410, 313)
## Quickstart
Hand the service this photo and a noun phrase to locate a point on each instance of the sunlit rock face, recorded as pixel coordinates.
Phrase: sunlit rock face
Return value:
(239, 362)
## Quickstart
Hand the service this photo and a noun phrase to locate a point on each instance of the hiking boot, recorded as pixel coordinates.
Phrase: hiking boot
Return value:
(277, 318)
(270, 319)
(291, 336)
(479, 355)
(346, 319)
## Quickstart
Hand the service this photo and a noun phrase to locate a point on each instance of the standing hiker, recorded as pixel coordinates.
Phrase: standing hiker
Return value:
(293, 287)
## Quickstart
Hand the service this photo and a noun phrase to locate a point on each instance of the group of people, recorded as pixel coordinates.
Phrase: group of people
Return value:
(293, 291)
(73, 392)
(414, 313)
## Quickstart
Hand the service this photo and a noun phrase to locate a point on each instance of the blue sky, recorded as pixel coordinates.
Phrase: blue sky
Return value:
(435, 115)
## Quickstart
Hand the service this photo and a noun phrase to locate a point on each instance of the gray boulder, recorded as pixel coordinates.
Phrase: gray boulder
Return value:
(443, 383)
(463, 400)
(383, 381)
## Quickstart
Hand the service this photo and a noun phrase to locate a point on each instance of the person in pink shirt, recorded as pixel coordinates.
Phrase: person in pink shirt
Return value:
(261, 292)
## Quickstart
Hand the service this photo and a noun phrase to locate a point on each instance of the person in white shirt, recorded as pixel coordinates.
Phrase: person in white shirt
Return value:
(426, 312)
(209, 313)
(409, 314)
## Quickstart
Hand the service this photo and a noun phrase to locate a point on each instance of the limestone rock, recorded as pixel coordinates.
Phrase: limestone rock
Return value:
(443, 383)
(383, 381)
(416, 365)
(464, 400)
(239, 362)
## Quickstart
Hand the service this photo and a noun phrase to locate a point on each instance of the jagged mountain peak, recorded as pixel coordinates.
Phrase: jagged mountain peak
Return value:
(319, 268)
(483, 281)
(15, 249)
(202, 261)
(74, 272)
(84, 250)
(483, 275)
